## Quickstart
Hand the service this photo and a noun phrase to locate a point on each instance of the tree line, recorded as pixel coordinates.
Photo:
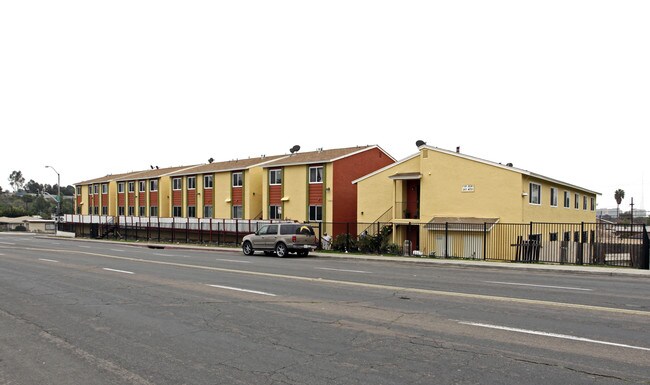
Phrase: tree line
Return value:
(33, 198)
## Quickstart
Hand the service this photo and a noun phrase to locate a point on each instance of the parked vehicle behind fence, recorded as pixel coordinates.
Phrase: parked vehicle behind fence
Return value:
(281, 239)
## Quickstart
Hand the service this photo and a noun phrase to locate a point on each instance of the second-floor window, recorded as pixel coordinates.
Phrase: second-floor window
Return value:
(120, 187)
(553, 197)
(275, 177)
(316, 174)
(142, 186)
(131, 187)
(237, 179)
(535, 196)
(104, 188)
(207, 181)
(153, 186)
(176, 184)
(191, 182)
(567, 199)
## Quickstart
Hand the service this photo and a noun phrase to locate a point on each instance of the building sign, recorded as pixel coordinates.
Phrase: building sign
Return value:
(467, 188)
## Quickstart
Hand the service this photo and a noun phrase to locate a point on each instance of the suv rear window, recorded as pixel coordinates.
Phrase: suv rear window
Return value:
(296, 229)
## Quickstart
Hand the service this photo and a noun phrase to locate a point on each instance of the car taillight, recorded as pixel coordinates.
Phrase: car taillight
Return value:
(293, 239)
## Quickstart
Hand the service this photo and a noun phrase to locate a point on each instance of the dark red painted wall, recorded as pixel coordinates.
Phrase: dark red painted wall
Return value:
(207, 196)
(275, 195)
(191, 197)
(344, 198)
(237, 194)
(177, 198)
(316, 194)
(153, 198)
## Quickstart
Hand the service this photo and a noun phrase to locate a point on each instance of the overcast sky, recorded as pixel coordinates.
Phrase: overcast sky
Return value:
(560, 88)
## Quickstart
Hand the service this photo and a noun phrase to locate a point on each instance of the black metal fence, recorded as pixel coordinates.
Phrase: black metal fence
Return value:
(560, 243)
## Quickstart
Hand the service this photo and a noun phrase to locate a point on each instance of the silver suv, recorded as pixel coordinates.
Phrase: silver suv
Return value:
(281, 238)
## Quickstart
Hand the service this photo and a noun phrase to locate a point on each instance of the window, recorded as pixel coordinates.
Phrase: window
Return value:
(104, 188)
(207, 181)
(142, 186)
(96, 189)
(593, 204)
(576, 203)
(207, 211)
(237, 180)
(553, 197)
(191, 211)
(535, 194)
(315, 213)
(237, 212)
(153, 211)
(104, 210)
(275, 212)
(584, 202)
(275, 177)
(271, 229)
(131, 211)
(120, 187)
(153, 185)
(176, 183)
(552, 237)
(176, 211)
(96, 210)
(316, 174)
(120, 210)
(78, 190)
(142, 211)
(567, 199)
(191, 182)
(131, 187)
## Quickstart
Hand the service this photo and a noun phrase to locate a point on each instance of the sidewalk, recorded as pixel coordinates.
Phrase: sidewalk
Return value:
(573, 269)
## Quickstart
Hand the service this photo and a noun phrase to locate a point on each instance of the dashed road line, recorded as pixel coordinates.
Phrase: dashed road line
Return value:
(118, 271)
(542, 286)
(48, 260)
(244, 290)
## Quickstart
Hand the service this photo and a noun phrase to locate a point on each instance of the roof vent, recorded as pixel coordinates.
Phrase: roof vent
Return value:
(458, 149)
(509, 164)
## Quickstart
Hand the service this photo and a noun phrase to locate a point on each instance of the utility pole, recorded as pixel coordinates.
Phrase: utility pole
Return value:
(58, 201)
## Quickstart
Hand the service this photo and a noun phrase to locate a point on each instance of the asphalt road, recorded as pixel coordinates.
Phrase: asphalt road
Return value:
(75, 312)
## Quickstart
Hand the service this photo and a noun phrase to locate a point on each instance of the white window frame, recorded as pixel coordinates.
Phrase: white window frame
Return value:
(177, 184)
(179, 209)
(531, 196)
(104, 188)
(554, 196)
(207, 214)
(208, 181)
(275, 212)
(237, 179)
(120, 188)
(142, 186)
(576, 204)
(153, 185)
(191, 182)
(131, 211)
(313, 179)
(95, 189)
(314, 218)
(131, 187)
(275, 177)
(153, 211)
(142, 211)
(78, 189)
(567, 200)
(234, 214)
(191, 211)
(121, 210)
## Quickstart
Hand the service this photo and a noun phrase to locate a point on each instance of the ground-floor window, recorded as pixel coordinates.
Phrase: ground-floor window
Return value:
(120, 210)
(104, 210)
(131, 211)
(191, 211)
(275, 212)
(207, 211)
(142, 210)
(153, 211)
(176, 211)
(315, 213)
(237, 212)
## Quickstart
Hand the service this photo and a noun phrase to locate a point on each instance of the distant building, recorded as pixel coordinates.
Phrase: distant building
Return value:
(613, 213)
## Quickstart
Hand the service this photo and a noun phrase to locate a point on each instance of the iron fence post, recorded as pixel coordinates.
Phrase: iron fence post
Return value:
(484, 241)
(446, 239)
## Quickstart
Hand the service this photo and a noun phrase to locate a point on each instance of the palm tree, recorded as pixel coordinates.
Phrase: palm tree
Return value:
(618, 195)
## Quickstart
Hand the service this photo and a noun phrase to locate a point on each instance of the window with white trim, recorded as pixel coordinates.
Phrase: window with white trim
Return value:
(131, 187)
(535, 193)
(207, 211)
(120, 211)
(567, 200)
(315, 213)
(191, 182)
(153, 185)
(142, 211)
(176, 184)
(153, 211)
(275, 177)
(177, 211)
(237, 179)
(316, 174)
(78, 190)
(207, 181)
(576, 203)
(237, 212)
(104, 188)
(131, 211)
(142, 186)
(191, 211)
(553, 197)
(120, 187)
(275, 212)
(104, 210)
(96, 189)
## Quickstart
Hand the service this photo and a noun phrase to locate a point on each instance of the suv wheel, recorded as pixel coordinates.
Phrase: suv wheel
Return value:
(247, 248)
(281, 250)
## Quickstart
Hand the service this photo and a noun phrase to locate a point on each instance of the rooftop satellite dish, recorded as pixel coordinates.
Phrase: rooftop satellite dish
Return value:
(295, 148)
(210, 160)
(420, 143)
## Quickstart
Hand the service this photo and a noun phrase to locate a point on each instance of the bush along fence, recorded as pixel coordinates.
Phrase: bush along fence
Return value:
(562, 243)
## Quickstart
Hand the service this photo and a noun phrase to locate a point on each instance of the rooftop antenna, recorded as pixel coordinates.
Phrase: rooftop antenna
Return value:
(157, 167)
(151, 167)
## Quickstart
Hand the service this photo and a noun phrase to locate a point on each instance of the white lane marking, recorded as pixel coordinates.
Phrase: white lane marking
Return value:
(117, 250)
(86, 247)
(48, 260)
(118, 271)
(348, 271)
(231, 260)
(244, 290)
(7, 243)
(55, 243)
(170, 255)
(554, 335)
(544, 286)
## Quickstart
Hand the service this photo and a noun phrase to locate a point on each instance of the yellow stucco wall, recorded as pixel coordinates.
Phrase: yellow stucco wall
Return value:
(253, 192)
(165, 197)
(544, 212)
(222, 190)
(295, 188)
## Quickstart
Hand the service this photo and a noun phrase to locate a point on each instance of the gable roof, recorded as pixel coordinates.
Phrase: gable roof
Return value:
(230, 165)
(322, 156)
(479, 160)
(107, 178)
(155, 173)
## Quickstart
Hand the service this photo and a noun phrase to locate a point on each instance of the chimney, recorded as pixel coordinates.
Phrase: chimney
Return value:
(458, 149)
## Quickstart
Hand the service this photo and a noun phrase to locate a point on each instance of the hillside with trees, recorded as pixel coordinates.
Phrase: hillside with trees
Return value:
(33, 198)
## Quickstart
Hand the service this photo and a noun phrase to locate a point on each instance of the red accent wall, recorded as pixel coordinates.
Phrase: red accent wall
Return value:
(275, 195)
(412, 197)
(237, 195)
(207, 196)
(177, 198)
(191, 197)
(142, 199)
(153, 198)
(131, 199)
(344, 194)
(316, 194)
(121, 199)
